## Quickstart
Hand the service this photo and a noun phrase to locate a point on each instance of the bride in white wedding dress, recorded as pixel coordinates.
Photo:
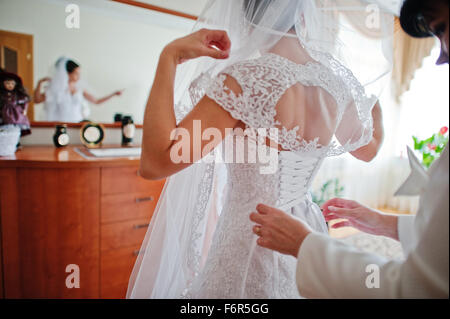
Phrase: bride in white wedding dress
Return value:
(310, 69)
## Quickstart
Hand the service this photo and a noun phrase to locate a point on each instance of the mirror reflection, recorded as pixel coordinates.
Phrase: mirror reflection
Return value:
(98, 68)
(66, 97)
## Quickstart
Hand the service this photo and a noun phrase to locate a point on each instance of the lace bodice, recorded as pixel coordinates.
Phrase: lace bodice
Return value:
(236, 267)
(200, 243)
(265, 80)
(285, 188)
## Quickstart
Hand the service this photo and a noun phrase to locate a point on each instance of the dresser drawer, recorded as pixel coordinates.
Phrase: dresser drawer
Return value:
(122, 207)
(116, 267)
(119, 180)
(124, 234)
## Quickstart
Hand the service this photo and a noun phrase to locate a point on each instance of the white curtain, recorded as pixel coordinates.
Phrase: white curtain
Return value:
(421, 112)
(371, 184)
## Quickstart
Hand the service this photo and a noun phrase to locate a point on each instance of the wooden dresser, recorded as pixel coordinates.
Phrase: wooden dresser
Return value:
(58, 208)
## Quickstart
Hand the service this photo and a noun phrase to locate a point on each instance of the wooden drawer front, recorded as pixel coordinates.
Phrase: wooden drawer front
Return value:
(124, 234)
(116, 268)
(56, 223)
(122, 207)
(119, 180)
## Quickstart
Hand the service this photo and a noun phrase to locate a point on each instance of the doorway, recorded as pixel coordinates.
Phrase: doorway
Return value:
(16, 56)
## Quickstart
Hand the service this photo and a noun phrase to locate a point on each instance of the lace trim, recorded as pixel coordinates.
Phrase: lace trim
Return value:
(181, 110)
(256, 105)
(289, 140)
(313, 74)
(265, 80)
(194, 253)
(364, 104)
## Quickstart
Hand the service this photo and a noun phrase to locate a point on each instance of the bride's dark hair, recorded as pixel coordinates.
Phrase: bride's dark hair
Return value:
(71, 66)
(255, 9)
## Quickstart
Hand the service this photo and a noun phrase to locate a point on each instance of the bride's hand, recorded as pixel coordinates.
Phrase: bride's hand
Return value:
(360, 217)
(212, 43)
(43, 80)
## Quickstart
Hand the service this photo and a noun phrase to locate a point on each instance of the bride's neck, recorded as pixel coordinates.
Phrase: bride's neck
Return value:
(290, 47)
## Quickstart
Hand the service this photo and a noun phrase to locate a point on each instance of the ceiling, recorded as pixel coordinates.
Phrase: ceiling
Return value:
(194, 7)
(392, 5)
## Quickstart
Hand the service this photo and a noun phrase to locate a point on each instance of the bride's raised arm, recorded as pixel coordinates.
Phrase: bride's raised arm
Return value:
(370, 151)
(363, 141)
(160, 121)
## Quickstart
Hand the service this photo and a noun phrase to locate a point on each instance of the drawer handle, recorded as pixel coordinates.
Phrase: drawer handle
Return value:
(136, 253)
(145, 199)
(141, 226)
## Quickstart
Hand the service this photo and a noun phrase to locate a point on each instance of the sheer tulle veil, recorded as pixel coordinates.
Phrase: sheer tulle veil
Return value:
(58, 98)
(353, 38)
(59, 85)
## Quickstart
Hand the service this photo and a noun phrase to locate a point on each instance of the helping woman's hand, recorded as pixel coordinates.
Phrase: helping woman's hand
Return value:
(278, 231)
(212, 43)
(360, 217)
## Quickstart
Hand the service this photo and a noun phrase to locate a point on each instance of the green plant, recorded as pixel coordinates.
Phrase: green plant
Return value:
(329, 190)
(432, 147)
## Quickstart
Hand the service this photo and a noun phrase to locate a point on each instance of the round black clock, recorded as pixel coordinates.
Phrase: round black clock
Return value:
(92, 135)
(128, 130)
(61, 138)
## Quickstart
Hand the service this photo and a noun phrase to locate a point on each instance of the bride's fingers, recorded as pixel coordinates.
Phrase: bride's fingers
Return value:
(213, 53)
(218, 38)
(217, 44)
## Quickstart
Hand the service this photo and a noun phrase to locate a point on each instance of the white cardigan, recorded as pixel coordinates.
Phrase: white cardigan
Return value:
(328, 268)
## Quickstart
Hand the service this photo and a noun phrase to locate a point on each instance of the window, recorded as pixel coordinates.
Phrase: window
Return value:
(424, 108)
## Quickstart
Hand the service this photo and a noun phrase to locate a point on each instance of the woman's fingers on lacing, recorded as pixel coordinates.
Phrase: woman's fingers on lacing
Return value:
(342, 224)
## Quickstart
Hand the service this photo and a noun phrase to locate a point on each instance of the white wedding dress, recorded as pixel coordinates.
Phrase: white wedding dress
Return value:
(60, 104)
(310, 69)
(236, 267)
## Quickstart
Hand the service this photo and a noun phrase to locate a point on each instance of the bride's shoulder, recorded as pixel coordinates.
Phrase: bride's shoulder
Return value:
(268, 68)
(267, 62)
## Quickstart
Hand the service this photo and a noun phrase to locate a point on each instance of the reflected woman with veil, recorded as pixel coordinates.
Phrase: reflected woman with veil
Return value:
(66, 96)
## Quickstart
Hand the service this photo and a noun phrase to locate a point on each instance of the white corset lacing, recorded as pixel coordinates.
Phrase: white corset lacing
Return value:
(236, 267)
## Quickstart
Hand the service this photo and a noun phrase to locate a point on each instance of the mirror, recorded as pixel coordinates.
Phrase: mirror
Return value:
(115, 47)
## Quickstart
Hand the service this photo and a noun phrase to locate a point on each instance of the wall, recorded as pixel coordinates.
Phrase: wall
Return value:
(117, 46)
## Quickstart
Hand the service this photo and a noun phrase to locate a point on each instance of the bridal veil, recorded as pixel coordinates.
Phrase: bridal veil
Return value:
(351, 38)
